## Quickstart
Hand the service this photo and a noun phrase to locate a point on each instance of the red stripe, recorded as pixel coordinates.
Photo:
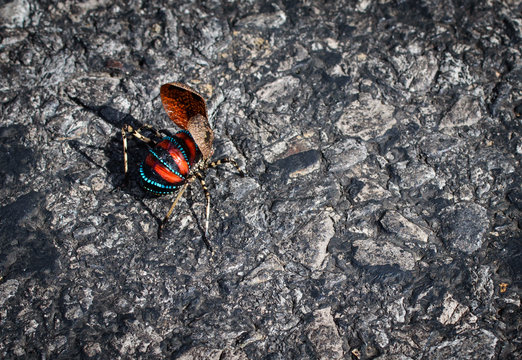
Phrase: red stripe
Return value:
(162, 171)
(189, 144)
(177, 156)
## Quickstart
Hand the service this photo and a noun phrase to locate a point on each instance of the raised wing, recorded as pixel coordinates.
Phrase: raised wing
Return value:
(181, 103)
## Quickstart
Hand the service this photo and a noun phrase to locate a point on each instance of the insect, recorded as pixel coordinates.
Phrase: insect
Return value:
(175, 161)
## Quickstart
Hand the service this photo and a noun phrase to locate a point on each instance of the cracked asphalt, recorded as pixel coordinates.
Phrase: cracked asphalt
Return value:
(379, 217)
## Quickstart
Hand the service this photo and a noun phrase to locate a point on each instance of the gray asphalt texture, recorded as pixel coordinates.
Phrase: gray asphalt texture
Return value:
(379, 217)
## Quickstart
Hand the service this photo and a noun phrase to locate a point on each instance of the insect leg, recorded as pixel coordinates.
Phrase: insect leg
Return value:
(127, 130)
(227, 160)
(150, 128)
(125, 157)
(207, 195)
(178, 196)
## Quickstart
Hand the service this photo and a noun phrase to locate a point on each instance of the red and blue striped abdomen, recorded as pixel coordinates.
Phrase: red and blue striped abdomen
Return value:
(168, 164)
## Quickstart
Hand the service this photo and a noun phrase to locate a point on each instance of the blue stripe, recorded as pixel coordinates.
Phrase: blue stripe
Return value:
(157, 192)
(189, 134)
(149, 181)
(180, 148)
(166, 165)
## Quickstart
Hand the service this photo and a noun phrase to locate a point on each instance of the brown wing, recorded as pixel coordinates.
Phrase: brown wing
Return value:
(182, 103)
